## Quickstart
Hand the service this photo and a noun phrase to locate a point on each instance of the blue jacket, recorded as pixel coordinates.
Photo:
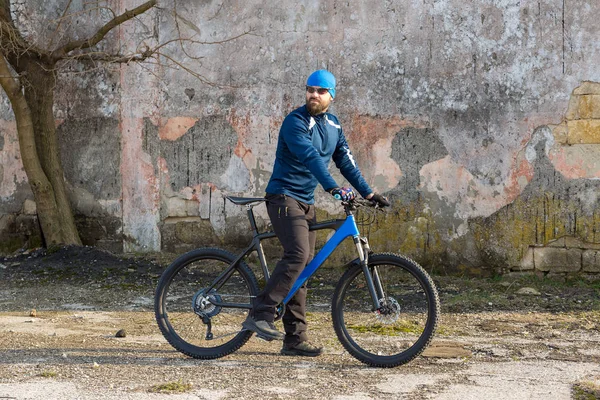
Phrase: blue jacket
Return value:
(305, 147)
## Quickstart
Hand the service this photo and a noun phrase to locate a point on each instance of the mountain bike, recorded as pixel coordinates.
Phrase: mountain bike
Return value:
(385, 307)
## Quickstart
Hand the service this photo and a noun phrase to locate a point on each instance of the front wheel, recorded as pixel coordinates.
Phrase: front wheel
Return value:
(404, 321)
(184, 307)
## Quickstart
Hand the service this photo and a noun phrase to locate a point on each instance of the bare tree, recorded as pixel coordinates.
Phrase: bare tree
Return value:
(28, 75)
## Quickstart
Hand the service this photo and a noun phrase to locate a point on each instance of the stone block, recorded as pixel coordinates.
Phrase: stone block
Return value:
(11, 242)
(557, 259)
(589, 106)
(583, 131)
(590, 261)
(29, 207)
(560, 133)
(115, 246)
(591, 246)
(187, 233)
(8, 223)
(587, 87)
(527, 263)
(568, 242)
(573, 109)
(27, 225)
(560, 242)
(178, 207)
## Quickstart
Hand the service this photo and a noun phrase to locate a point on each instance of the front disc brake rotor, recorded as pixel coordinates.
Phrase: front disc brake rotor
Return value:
(388, 311)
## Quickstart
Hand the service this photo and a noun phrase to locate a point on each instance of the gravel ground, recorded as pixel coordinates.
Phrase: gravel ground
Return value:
(492, 342)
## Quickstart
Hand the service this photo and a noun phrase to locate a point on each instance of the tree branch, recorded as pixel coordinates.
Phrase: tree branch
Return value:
(113, 58)
(12, 42)
(62, 52)
(59, 24)
(147, 52)
(5, 10)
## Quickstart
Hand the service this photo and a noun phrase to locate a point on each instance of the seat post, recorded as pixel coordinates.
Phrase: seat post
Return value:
(252, 220)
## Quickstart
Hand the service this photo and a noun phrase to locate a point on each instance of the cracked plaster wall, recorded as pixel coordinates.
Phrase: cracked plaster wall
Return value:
(477, 118)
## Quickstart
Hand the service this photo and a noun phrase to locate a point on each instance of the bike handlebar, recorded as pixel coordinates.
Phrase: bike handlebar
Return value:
(353, 205)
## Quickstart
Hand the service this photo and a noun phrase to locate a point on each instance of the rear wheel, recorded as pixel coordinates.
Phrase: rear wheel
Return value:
(404, 322)
(184, 307)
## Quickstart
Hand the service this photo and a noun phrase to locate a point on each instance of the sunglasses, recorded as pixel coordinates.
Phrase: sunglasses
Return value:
(319, 90)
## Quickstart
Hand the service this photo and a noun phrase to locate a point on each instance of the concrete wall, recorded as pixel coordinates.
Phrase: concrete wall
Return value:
(479, 119)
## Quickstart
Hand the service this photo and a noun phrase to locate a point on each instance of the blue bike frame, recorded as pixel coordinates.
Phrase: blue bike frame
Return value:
(344, 228)
(347, 229)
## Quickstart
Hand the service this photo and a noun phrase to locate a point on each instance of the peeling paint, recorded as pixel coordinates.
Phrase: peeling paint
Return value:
(176, 127)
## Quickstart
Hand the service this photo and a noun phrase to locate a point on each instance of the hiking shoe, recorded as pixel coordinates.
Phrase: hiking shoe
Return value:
(263, 329)
(302, 349)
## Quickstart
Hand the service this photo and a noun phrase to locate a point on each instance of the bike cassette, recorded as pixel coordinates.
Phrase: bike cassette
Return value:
(203, 303)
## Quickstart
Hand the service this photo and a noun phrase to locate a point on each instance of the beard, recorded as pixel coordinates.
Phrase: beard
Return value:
(316, 108)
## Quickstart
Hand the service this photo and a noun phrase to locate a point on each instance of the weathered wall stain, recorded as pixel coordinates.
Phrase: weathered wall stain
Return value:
(413, 148)
(560, 201)
(97, 166)
(202, 154)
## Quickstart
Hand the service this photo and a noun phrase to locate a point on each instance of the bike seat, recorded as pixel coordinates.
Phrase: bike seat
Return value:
(242, 201)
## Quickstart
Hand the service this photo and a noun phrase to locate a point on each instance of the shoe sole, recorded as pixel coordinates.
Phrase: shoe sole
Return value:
(299, 353)
(265, 338)
(260, 334)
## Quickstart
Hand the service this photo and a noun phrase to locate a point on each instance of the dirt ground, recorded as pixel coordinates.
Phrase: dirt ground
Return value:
(510, 337)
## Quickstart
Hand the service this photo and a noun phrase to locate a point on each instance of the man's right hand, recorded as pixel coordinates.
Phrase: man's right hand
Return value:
(343, 193)
(379, 201)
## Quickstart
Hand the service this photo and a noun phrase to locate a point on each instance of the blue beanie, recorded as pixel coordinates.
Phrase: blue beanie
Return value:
(322, 78)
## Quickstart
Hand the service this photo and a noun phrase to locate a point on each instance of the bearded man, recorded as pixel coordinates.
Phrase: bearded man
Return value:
(309, 139)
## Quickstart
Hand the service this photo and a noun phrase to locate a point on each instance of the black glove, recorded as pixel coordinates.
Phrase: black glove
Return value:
(343, 193)
(379, 201)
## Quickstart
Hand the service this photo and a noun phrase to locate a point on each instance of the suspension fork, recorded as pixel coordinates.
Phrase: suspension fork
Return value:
(371, 276)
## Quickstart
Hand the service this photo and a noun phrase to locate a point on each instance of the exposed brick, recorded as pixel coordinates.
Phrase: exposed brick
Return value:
(557, 259)
(587, 88)
(573, 109)
(589, 106)
(178, 207)
(560, 133)
(583, 131)
(591, 261)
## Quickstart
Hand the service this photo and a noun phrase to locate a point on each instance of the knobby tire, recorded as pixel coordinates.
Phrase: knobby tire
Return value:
(174, 299)
(398, 335)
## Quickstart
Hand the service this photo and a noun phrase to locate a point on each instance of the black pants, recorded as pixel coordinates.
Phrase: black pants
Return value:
(290, 219)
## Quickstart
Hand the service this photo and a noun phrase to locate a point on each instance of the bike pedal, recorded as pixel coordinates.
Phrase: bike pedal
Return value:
(265, 338)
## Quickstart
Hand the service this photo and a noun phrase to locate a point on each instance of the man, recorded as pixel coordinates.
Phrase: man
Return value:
(309, 138)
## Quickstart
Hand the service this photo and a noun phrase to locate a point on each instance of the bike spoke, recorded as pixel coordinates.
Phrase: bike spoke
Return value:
(402, 325)
(198, 318)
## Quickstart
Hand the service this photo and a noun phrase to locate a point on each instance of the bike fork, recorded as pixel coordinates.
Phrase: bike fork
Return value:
(372, 278)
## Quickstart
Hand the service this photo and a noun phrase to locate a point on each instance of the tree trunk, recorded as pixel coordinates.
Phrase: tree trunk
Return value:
(40, 185)
(32, 98)
(39, 85)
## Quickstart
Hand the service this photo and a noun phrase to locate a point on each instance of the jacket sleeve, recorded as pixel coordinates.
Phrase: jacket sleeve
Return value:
(347, 165)
(294, 131)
